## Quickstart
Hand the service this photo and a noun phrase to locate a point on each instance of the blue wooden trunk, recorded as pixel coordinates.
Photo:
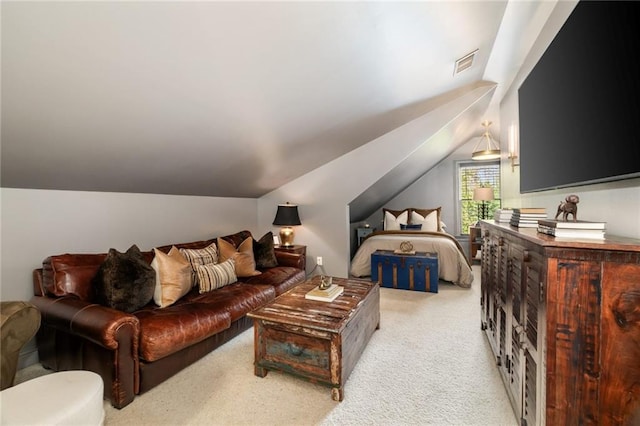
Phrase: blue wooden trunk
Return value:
(417, 271)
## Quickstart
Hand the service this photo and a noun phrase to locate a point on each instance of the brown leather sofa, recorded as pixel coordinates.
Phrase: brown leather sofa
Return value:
(135, 352)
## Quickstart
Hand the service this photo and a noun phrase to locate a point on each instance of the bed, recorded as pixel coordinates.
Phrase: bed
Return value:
(423, 228)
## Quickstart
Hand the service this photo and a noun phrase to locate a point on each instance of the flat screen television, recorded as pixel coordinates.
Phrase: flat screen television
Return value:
(579, 108)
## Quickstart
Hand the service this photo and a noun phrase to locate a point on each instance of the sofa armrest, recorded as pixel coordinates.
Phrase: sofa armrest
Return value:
(77, 335)
(38, 282)
(294, 260)
(99, 324)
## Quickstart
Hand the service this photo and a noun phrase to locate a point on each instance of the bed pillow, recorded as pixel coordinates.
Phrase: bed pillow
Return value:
(216, 275)
(125, 281)
(245, 263)
(429, 218)
(393, 218)
(173, 277)
(411, 227)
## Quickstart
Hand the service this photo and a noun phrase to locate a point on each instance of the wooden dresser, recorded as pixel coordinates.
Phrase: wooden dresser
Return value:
(563, 320)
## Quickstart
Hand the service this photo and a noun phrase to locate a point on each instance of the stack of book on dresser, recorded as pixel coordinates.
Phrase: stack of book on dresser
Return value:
(571, 229)
(503, 215)
(527, 217)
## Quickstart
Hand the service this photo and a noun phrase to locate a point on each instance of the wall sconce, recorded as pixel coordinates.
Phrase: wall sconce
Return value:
(491, 149)
(287, 216)
(513, 147)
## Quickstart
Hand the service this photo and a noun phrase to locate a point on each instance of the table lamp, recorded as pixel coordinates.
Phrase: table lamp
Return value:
(287, 216)
(483, 195)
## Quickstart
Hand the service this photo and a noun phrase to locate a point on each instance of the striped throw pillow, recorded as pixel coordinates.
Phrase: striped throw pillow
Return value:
(197, 257)
(216, 275)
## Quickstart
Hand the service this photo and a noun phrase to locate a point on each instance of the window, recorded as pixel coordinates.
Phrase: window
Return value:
(470, 176)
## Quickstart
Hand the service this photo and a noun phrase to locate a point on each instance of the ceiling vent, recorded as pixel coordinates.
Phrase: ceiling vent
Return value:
(465, 62)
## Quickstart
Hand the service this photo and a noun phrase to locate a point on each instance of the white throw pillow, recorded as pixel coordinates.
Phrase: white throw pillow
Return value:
(392, 223)
(429, 223)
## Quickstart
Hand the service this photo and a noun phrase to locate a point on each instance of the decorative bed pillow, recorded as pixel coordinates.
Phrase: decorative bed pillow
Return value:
(411, 227)
(197, 257)
(216, 275)
(173, 277)
(124, 281)
(429, 218)
(243, 256)
(264, 253)
(393, 219)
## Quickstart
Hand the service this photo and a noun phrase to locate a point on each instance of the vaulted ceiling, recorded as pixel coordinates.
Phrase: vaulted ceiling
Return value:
(229, 99)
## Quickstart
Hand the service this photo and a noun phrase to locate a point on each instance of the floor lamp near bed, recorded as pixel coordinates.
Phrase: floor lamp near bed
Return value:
(483, 195)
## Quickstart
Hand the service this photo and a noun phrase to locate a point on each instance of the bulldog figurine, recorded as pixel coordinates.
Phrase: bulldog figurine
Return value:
(569, 206)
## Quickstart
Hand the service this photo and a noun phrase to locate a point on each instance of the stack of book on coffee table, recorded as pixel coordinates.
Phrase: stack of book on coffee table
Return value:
(324, 295)
(527, 217)
(572, 229)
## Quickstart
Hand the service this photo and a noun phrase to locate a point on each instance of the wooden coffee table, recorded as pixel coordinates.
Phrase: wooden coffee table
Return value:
(317, 341)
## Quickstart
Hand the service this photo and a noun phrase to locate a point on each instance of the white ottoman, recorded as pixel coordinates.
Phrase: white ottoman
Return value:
(63, 398)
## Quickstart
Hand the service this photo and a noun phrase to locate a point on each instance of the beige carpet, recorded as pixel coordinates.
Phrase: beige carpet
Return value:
(429, 363)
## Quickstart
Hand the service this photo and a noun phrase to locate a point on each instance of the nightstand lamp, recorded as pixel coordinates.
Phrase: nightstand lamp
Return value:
(287, 216)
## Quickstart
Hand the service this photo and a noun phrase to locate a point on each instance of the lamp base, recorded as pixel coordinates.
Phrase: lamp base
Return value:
(286, 236)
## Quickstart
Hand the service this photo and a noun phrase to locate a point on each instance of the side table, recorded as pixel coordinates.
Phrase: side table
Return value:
(298, 249)
(363, 233)
(475, 241)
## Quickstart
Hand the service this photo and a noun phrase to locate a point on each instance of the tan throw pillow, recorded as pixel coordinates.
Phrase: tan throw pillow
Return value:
(173, 277)
(243, 256)
(197, 257)
(216, 275)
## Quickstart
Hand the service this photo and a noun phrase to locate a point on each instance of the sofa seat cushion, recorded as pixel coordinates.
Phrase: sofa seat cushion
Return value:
(281, 278)
(238, 299)
(164, 331)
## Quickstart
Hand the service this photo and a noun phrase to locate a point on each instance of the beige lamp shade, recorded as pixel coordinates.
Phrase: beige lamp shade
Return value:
(483, 194)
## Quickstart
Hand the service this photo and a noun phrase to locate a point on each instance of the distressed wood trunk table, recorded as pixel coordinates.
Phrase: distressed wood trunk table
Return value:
(317, 341)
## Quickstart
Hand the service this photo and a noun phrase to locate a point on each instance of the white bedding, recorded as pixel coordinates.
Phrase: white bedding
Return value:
(452, 263)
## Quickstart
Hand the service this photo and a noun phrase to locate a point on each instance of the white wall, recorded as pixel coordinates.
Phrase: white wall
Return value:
(40, 223)
(617, 203)
(435, 188)
(324, 194)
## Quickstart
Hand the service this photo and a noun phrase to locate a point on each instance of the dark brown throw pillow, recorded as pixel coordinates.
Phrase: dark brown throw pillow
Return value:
(124, 281)
(264, 253)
